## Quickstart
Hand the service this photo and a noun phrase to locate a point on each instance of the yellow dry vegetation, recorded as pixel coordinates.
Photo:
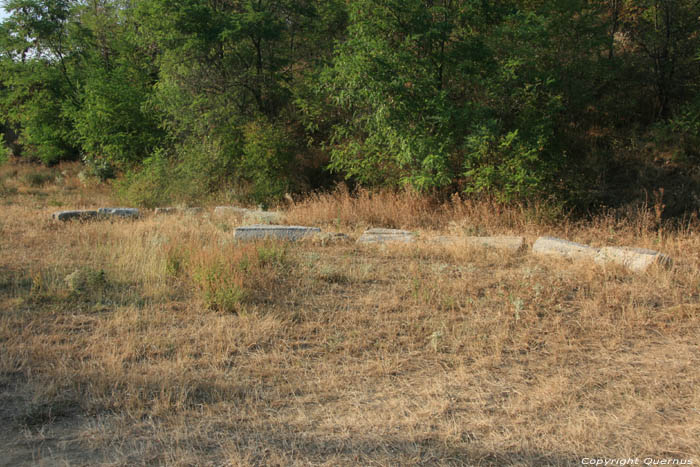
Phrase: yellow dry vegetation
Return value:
(181, 347)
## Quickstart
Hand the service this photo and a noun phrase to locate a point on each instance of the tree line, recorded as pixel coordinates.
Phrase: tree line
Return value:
(517, 99)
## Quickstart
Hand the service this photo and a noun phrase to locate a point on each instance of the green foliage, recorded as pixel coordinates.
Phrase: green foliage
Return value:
(151, 185)
(113, 125)
(37, 89)
(267, 161)
(200, 169)
(394, 76)
(518, 99)
(684, 129)
(5, 151)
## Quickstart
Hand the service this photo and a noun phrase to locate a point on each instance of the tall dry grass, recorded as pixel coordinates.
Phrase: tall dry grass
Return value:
(409, 209)
(339, 354)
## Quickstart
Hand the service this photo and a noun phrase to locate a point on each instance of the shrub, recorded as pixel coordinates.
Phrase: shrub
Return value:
(268, 154)
(192, 172)
(149, 186)
(5, 151)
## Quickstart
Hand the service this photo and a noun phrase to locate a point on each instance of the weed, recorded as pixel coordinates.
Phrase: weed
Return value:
(38, 179)
(86, 281)
(227, 277)
(176, 258)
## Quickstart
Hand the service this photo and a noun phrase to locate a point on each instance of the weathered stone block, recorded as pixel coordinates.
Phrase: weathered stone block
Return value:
(635, 259)
(77, 215)
(387, 236)
(281, 232)
(564, 248)
(500, 242)
(118, 212)
(188, 211)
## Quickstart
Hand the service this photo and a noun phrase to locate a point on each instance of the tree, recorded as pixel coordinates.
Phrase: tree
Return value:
(35, 70)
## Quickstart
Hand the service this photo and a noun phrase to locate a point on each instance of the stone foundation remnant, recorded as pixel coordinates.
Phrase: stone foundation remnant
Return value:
(189, 211)
(281, 232)
(387, 236)
(118, 212)
(74, 215)
(564, 248)
(635, 259)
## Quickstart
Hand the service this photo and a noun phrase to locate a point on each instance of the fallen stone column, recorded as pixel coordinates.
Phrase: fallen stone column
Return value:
(281, 232)
(73, 215)
(635, 259)
(189, 211)
(118, 212)
(387, 236)
(564, 248)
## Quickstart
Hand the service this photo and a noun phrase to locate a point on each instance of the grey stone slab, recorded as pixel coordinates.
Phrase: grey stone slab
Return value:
(189, 211)
(635, 259)
(74, 215)
(119, 212)
(499, 242)
(564, 248)
(387, 236)
(281, 232)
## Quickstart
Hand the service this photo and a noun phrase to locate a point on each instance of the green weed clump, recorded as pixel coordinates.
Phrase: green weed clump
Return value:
(38, 179)
(230, 277)
(85, 280)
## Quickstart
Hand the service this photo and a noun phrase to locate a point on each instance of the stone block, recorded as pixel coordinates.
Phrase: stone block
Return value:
(118, 212)
(281, 232)
(74, 215)
(387, 236)
(635, 259)
(564, 248)
(188, 211)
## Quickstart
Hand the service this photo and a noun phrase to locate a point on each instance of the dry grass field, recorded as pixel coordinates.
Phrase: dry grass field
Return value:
(161, 341)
